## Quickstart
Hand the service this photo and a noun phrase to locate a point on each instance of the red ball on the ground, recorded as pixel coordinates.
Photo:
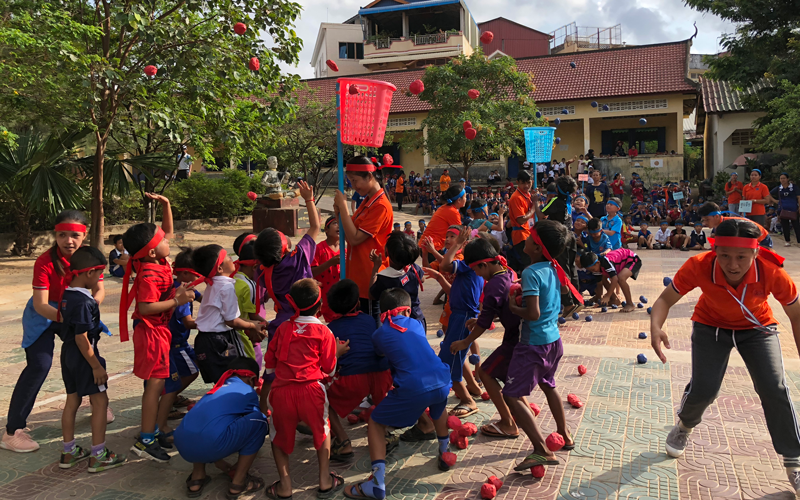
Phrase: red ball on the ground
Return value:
(365, 414)
(494, 481)
(554, 442)
(473, 94)
(535, 409)
(332, 65)
(254, 64)
(537, 471)
(240, 28)
(581, 370)
(487, 37)
(150, 70)
(253, 196)
(488, 491)
(574, 400)
(454, 422)
(468, 429)
(485, 396)
(449, 458)
(458, 440)
(352, 418)
(416, 87)
(454, 437)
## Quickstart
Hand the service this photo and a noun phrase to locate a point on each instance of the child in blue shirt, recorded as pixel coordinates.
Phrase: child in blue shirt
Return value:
(118, 258)
(698, 237)
(421, 381)
(612, 223)
(536, 356)
(402, 272)
(598, 241)
(645, 236)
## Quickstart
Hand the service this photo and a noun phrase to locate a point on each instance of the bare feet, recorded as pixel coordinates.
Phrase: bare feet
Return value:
(628, 308)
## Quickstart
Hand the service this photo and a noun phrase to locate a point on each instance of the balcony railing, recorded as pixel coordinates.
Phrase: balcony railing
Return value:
(430, 39)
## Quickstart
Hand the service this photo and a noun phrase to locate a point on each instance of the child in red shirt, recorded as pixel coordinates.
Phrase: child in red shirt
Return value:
(325, 266)
(302, 354)
(155, 300)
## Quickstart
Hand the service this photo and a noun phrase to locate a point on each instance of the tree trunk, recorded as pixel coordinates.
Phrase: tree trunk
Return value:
(23, 240)
(98, 217)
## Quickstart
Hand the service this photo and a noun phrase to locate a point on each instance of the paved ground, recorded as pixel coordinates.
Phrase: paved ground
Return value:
(620, 432)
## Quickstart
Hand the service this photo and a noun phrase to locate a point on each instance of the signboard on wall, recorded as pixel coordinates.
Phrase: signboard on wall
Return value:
(656, 163)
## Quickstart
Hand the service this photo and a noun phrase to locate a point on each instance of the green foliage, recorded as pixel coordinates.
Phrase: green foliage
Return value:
(203, 197)
(504, 107)
(780, 128)
(720, 179)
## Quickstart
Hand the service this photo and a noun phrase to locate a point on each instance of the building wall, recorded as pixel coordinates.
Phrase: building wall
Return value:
(571, 134)
(672, 169)
(515, 40)
(598, 125)
(335, 33)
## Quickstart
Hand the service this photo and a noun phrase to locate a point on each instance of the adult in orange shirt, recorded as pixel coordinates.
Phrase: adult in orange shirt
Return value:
(733, 190)
(400, 190)
(520, 211)
(444, 181)
(759, 194)
(368, 228)
(736, 279)
(453, 199)
(711, 217)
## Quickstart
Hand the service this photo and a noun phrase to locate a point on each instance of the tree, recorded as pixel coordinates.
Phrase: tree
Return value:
(764, 46)
(499, 114)
(36, 176)
(84, 62)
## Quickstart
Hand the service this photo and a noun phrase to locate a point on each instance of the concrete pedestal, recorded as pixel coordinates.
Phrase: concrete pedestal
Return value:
(284, 214)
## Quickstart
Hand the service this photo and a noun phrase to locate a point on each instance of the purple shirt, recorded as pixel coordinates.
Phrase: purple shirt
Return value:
(495, 304)
(293, 267)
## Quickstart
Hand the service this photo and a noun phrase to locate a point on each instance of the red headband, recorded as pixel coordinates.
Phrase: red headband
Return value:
(71, 274)
(353, 312)
(327, 224)
(66, 226)
(562, 276)
(735, 241)
(395, 312)
(127, 296)
(500, 259)
(358, 167)
(228, 374)
(186, 270)
(247, 239)
(452, 230)
(209, 280)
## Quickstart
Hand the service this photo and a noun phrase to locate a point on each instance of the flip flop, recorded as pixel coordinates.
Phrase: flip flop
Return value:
(258, 483)
(495, 432)
(462, 407)
(569, 447)
(272, 492)
(338, 484)
(359, 495)
(533, 460)
(202, 483)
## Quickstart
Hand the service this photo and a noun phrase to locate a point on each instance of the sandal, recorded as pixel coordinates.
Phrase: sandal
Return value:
(258, 483)
(338, 484)
(359, 495)
(175, 415)
(202, 483)
(493, 430)
(272, 492)
(182, 402)
(336, 451)
(414, 434)
(533, 460)
(569, 447)
(462, 411)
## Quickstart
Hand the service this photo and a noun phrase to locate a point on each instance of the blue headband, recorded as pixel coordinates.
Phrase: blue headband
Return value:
(596, 231)
(612, 202)
(493, 213)
(583, 218)
(756, 170)
(593, 263)
(480, 208)
(717, 212)
(453, 200)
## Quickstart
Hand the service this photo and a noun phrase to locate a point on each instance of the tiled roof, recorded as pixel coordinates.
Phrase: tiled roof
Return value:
(721, 97)
(601, 74)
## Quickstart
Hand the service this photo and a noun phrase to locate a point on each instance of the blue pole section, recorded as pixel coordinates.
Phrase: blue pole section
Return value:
(340, 159)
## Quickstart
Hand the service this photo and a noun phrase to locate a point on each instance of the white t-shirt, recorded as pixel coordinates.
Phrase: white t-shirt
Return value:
(581, 166)
(218, 306)
(540, 167)
(185, 163)
(661, 237)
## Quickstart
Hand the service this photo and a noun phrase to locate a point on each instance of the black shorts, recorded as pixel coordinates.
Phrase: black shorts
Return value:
(636, 267)
(215, 351)
(76, 371)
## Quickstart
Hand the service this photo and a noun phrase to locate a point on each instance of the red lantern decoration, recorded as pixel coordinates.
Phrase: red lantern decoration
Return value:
(332, 65)
(239, 28)
(471, 133)
(416, 87)
(253, 196)
(473, 94)
(150, 70)
(387, 160)
(467, 124)
(487, 37)
(255, 64)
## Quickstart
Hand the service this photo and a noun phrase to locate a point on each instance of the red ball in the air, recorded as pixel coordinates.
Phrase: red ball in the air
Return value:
(239, 28)
(488, 491)
(467, 125)
(487, 37)
(473, 94)
(332, 65)
(554, 442)
(581, 370)
(352, 418)
(353, 90)
(471, 134)
(497, 483)
(253, 196)
(537, 471)
(254, 64)
(387, 160)
(150, 70)
(535, 409)
(449, 458)
(416, 87)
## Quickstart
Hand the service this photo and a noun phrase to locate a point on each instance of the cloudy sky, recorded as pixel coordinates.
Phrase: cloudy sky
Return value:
(648, 21)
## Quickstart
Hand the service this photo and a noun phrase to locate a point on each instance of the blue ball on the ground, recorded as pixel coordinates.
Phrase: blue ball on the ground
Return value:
(649, 310)
(474, 359)
(603, 309)
(576, 316)
(440, 333)
(562, 320)
(642, 299)
(642, 359)
(667, 280)
(624, 303)
(640, 305)
(613, 306)
(588, 317)
(642, 335)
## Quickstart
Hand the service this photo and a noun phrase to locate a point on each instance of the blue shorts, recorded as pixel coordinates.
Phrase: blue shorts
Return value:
(77, 373)
(398, 411)
(456, 330)
(182, 363)
(244, 436)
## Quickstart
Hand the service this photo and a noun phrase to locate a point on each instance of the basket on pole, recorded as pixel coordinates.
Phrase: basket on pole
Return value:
(364, 110)
(539, 143)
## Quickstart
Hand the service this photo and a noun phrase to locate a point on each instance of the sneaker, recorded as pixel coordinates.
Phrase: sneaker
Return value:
(794, 478)
(109, 415)
(787, 244)
(70, 460)
(19, 442)
(152, 451)
(677, 440)
(107, 460)
(163, 440)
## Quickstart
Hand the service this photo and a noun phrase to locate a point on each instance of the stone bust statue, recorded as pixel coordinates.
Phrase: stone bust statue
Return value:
(273, 179)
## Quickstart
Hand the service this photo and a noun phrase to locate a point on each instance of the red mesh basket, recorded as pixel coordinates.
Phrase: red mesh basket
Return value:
(364, 113)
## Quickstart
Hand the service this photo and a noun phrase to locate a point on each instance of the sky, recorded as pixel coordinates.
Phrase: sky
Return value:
(643, 22)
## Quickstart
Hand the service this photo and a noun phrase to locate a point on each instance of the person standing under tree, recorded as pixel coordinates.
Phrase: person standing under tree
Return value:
(184, 165)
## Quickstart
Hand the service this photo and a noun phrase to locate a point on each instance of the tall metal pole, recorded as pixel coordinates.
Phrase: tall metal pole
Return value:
(340, 159)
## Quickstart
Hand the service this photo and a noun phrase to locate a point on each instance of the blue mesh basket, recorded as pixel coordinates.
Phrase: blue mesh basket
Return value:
(539, 143)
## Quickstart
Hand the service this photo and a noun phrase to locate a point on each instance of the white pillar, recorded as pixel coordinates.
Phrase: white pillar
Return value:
(587, 134)
(405, 24)
(426, 159)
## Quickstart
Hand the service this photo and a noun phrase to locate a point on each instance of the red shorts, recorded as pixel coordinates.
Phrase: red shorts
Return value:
(295, 403)
(151, 351)
(347, 391)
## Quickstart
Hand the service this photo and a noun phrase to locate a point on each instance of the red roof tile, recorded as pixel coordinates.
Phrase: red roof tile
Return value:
(622, 72)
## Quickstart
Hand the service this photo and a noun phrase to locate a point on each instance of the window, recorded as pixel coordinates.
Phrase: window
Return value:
(695, 76)
(403, 122)
(743, 137)
(633, 105)
(351, 50)
(557, 110)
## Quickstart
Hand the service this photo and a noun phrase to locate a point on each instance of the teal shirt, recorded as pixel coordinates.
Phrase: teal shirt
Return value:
(540, 280)
(477, 223)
